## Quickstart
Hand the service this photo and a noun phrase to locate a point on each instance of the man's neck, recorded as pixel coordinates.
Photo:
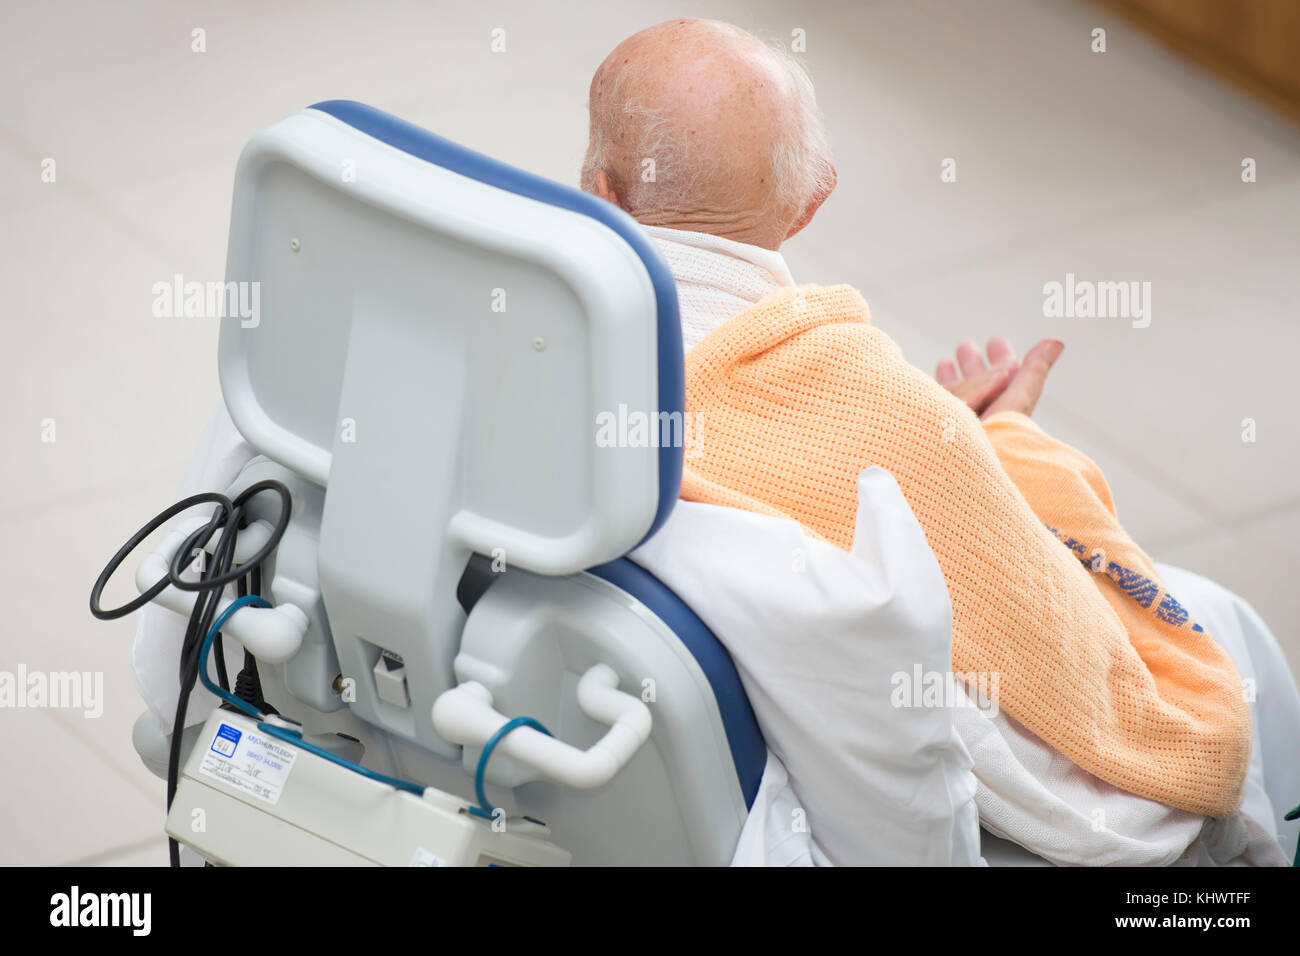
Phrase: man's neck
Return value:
(770, 263)
(747, 229)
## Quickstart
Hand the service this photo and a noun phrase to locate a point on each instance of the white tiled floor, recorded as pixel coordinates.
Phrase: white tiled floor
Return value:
(1115, 166)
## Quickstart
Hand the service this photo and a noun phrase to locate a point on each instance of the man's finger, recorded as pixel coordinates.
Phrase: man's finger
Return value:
(970, 359)
(1000, 351)
(1023, 392)
(946, 374)
(978, 390)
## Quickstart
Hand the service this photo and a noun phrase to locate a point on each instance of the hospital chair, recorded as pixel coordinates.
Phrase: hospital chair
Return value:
(438, 336)
(457, 662)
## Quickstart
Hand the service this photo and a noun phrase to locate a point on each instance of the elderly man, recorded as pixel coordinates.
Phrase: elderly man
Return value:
(698, 128)
(713, 142)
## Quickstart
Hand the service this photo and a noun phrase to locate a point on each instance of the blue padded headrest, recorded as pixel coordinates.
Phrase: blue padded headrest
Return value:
(441, 152)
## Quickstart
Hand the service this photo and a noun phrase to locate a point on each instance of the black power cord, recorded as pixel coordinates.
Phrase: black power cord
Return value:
(248, 685)
(227, 518)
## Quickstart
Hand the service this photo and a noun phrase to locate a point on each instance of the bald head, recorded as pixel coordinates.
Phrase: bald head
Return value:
(695, 124)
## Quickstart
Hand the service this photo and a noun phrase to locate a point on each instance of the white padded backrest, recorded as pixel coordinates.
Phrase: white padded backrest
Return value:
(436, 351)
(387, 239)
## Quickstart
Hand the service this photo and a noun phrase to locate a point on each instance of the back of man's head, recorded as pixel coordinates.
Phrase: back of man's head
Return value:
(696, 124)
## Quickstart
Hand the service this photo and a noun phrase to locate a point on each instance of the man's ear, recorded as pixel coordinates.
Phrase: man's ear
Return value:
(605, 189)
(810, 210)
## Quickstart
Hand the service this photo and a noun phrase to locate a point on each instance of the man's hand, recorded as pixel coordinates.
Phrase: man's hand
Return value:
(1002, 384)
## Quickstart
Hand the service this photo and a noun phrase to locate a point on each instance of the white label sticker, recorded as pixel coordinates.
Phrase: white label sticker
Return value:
(250, 761)
(423, 857)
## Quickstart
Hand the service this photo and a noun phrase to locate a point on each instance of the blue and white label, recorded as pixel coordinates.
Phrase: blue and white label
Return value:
(226, 741)
(249, 761)
(423, 857)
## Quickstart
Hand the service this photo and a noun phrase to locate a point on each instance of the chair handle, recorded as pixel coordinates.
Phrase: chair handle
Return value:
(272, 634)
(464, 715)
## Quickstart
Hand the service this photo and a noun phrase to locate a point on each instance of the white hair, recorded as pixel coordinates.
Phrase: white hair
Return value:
(800, 161)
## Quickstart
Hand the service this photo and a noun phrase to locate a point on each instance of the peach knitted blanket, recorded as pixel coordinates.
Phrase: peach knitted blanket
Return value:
(793, 398)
